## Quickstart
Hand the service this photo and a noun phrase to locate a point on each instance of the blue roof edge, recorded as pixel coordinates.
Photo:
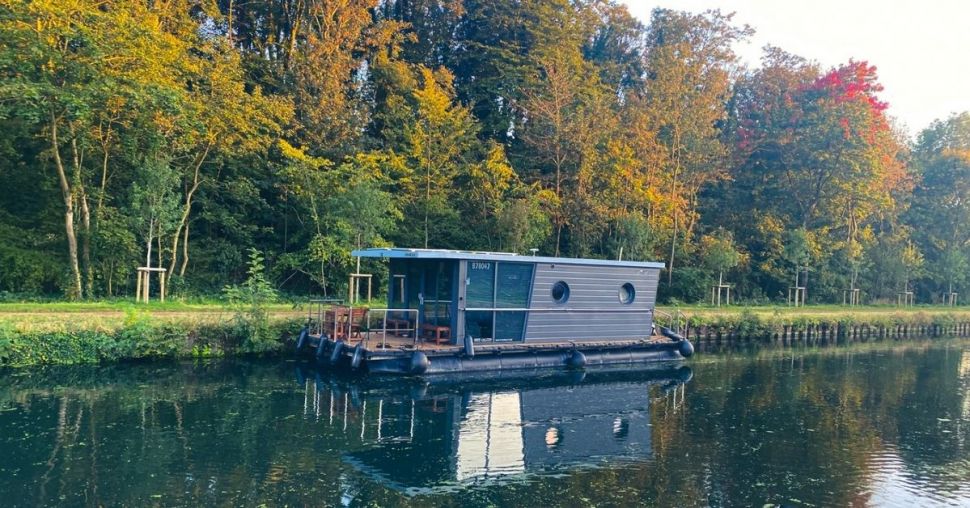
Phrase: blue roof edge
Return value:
(402, 253)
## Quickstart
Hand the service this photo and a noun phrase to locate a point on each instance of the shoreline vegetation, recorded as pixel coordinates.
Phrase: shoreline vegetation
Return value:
(58, 333)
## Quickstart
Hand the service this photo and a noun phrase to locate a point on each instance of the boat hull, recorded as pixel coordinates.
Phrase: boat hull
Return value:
(357, 357)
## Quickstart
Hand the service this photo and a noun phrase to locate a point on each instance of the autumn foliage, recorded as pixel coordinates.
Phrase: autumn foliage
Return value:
(180, 134)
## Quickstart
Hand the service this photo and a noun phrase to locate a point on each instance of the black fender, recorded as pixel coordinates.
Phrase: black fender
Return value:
(302, 340)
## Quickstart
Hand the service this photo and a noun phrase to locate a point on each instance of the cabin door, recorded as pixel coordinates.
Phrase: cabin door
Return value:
(436, 299)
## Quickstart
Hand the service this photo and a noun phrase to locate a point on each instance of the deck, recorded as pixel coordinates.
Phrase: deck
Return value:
(394, 345)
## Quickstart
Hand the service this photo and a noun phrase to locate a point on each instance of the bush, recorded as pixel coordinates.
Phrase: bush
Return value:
(249, 301)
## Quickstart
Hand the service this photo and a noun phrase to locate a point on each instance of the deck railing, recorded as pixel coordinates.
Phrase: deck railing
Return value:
(315, 312)
(407, 324)
(676, 320)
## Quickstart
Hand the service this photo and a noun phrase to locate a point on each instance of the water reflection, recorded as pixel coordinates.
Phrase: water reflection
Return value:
(421, 438)
(861, 426)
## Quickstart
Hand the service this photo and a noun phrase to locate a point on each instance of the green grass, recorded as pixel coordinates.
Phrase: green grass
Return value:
(90, 332)
(859, 311)
(122, 306)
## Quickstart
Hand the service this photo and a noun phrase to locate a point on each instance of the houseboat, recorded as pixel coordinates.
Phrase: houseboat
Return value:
(456, 311)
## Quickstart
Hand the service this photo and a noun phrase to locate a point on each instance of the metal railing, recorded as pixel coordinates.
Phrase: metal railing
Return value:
(315, 313)
(409, 320)
(676, 321)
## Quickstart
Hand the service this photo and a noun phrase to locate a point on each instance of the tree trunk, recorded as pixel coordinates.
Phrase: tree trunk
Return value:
(82, 198)
(185, 252)
(673, 195)
(86, 246)
(673, 251)
(148, 256)
(76, 290)
(184, 220)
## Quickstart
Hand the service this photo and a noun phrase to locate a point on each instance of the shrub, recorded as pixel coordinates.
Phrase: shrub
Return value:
(249, 302)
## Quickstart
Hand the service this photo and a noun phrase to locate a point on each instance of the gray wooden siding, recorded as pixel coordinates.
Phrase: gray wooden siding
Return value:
(593, 310)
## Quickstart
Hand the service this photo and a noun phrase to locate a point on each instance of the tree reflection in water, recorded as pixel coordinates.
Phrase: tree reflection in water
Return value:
(844, 426)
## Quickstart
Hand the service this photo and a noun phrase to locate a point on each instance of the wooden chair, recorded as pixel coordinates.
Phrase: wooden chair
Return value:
(399, 324)
(356, 321)
(335, 322)
(439, 334)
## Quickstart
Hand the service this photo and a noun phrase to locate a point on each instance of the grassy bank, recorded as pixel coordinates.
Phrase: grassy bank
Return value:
(71, 333)
(819, 311)
(97, 333)
(775, 322)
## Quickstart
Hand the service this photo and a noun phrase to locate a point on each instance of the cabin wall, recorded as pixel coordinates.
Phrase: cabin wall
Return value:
(593, 309)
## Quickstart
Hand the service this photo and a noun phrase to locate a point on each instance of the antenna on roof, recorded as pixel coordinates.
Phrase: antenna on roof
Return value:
(533, 251)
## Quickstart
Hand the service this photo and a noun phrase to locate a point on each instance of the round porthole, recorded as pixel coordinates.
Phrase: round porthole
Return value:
(560, 292)
(627, 293)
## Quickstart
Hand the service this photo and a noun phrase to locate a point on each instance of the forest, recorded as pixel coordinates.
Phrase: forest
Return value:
(186, 134)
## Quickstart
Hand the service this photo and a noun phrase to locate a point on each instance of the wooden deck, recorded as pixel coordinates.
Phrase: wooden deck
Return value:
(378, 343)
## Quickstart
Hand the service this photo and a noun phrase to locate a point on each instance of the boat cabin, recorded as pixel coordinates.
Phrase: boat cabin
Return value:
(505, 297)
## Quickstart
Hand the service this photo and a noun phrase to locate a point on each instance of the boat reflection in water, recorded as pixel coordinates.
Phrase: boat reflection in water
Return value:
(421, 438)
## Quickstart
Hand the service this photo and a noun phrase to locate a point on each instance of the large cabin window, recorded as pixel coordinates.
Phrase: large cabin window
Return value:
(490, 288)
(481, 284)
(514, 283)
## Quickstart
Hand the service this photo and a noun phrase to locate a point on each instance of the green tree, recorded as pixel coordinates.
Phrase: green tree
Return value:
(719, 253)
(940, 210)
(62, 64)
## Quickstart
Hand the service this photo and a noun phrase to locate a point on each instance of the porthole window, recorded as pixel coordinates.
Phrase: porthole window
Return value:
(560, 292)
(627, 293)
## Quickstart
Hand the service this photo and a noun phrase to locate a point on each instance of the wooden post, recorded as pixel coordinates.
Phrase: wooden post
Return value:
(161, 289)
(138, 286)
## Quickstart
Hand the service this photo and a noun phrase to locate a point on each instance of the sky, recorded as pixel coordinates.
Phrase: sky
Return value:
(921, 49)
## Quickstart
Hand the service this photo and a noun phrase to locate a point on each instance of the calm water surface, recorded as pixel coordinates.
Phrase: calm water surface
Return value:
(842, 427)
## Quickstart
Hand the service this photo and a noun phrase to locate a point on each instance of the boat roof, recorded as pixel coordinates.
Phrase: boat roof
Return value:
(396, 252)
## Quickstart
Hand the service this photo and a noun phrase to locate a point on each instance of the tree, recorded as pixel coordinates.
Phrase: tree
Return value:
(940, 210)
(345, 206)
(155, 203)
(719, 253)
(65, 63)
(221, 116)
(689, 60)
(798, 252)
(817, 152)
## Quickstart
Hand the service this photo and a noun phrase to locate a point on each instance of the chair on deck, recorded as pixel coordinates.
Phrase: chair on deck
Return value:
(356, 321)
(398, 323)
(438, 333)
(335, 322)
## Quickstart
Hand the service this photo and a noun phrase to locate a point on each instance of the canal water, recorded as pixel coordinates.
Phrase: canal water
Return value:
(858, 426)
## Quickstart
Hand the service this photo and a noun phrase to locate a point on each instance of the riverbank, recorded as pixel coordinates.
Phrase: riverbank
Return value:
(73, 333)
(707, 327)
(64, 334)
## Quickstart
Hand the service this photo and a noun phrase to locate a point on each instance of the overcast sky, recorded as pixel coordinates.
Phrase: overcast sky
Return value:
(920, 48)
